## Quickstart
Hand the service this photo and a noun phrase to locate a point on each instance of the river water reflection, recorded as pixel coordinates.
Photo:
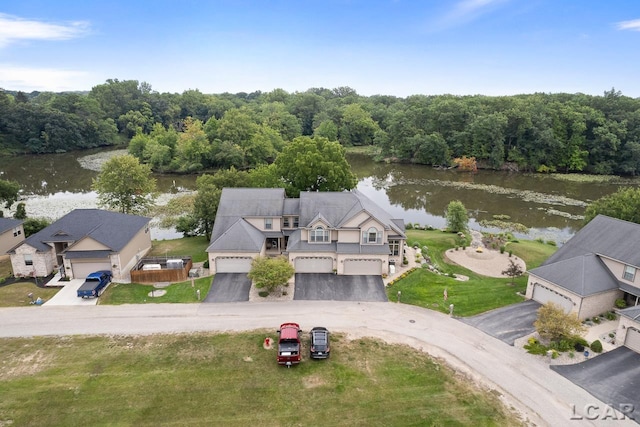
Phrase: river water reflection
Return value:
(52, 185)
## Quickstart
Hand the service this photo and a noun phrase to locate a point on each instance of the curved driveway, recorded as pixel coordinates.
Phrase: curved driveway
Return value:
(524, 381)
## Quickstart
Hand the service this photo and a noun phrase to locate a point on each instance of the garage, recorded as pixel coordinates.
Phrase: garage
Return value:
(363, 267)
(543, 295)
(632, 340)
(82, 269)
(233, 264)
(313, 264)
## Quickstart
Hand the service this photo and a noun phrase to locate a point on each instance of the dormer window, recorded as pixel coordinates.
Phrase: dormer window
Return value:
(268, 223)
(629, 273)
(372, 236)
(319, 235)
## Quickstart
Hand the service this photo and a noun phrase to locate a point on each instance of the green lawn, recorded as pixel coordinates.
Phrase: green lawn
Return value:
(477, 295)
(230, 380)
(16, 294)
(135, 293)
(192, 246)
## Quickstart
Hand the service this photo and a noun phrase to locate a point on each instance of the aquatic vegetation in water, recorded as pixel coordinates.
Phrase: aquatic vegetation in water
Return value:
(580, 177)
(526, 195)
(505, 225)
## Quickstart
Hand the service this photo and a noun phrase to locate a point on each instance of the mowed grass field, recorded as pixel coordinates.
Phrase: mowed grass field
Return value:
(231, 380)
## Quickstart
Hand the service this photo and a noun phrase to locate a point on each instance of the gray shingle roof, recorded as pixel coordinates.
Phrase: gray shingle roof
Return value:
(9, 224)
(112, 229)
(356, 248)
(241, 237)
(606, 236)
(583, 275)
(631, 313)
(332, 207)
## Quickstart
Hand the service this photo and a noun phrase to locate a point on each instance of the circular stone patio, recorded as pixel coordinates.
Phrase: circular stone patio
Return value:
(487, 263)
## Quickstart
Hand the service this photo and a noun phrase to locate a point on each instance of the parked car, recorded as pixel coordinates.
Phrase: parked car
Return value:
(289, 344)
(95, 284)
(320, 347)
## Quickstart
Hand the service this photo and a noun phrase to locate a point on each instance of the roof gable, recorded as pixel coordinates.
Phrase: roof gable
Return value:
(9, 224)
(583, 275)
(240, 236)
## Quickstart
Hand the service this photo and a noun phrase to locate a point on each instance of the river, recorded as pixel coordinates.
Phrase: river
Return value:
(550, 205)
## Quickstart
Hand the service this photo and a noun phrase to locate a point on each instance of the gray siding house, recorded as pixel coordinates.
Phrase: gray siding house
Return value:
(319, 232)
(597, 266)
(84, 241)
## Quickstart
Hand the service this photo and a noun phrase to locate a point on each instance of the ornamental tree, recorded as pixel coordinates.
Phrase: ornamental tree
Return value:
(269, 273)
(125, 185)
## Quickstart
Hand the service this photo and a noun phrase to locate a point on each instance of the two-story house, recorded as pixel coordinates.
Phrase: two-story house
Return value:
(597, 266)
(319, 232)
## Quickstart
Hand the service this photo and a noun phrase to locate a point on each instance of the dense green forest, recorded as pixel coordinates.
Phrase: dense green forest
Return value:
(192, 131)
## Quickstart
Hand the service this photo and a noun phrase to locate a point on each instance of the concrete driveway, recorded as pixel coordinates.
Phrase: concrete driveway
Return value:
(612, 377)
(229, 287)
(332, 287)
(507, 323)
(68, 295)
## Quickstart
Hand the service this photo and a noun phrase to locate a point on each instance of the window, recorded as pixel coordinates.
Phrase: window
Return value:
(629, 273)
(285, 222)
(268, 223)
(372, 235)
(28, 259)
(16, 232)
(319, 235)
(295, 222)
(394, 245)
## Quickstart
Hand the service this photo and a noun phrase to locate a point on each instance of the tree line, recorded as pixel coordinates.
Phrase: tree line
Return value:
(194, 132)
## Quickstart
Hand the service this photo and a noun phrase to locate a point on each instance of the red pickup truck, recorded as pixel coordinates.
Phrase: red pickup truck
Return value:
(289, 344)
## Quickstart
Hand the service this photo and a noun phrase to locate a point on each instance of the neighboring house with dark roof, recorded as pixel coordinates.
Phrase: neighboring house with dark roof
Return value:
(597, 266)
(84, 241)
(319, 232)
(11, 233)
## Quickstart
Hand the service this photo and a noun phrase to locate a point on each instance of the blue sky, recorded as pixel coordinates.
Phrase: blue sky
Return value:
(391, 47)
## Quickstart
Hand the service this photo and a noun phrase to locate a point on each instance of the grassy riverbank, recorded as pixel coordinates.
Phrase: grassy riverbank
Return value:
(229, 379)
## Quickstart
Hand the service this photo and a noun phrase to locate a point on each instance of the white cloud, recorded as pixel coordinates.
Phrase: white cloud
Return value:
(633, 25)
(13, 29)
(42, 79)
(465, 11)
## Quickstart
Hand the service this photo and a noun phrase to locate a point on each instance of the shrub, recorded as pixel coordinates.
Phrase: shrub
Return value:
(263, 294)
(620, 303)
(596, 346)
(510, 254)
(206, 264)
(611, 335)
(611, 316)
(554, 354)
(540, 240)
(551, 242)
(415, 244)
(408, 226)
(596, 320)
(571, 355)
(534, 347)
(502, 248)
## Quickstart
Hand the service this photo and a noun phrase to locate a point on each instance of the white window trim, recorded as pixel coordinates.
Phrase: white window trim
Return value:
(629, 275)
(268, 223)
(325, 235)
(366, 234)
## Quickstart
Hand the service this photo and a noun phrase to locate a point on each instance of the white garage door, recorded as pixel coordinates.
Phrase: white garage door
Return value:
(83, 269)
(544, 295)
(633, 339)
(368, 267)
(233, 264)
(313, 265)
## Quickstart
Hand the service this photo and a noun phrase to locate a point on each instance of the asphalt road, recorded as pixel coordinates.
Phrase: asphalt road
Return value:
(524, 382)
